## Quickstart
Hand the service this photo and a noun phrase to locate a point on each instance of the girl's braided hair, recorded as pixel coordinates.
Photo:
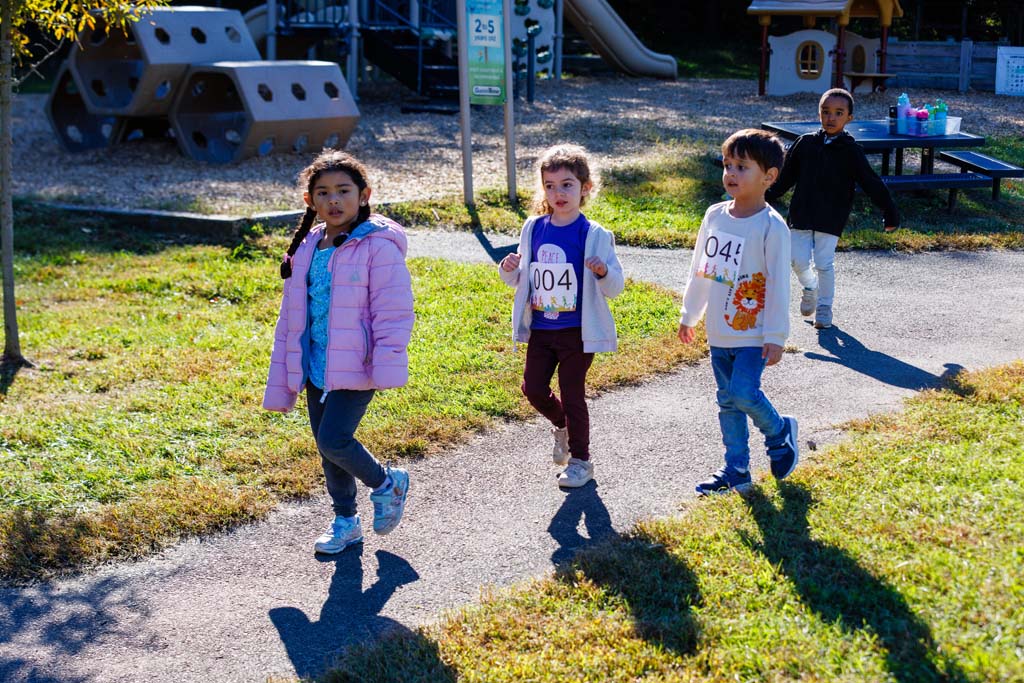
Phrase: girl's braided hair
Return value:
(328, 161)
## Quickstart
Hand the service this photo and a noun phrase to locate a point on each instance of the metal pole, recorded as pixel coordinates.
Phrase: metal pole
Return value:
(556, 64)
(764, 60)
(354, 47)
(464, 125)
(271, 29)
(510, 125)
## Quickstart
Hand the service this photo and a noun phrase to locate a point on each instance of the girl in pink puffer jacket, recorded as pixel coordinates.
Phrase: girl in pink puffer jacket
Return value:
(345, 322)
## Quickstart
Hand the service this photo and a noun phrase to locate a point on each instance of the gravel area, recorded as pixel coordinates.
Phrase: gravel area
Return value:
(416, 156)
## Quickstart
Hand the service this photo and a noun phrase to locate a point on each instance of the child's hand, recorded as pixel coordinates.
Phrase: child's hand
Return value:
(890, 228)
(771, 352)
(510, 262)
(687, 334)
(595, 265)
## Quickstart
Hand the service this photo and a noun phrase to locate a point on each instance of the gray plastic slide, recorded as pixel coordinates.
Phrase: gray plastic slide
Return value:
(615, 42)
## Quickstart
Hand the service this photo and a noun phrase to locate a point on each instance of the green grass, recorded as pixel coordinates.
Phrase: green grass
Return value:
(141, 421)
(894, 556)
(661, 204)
(698, 59)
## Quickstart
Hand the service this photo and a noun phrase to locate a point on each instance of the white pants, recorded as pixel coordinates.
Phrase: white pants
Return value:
(821, 247)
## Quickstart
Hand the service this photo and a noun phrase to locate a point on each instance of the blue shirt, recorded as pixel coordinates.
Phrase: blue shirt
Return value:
(319, 288)
(555, 302)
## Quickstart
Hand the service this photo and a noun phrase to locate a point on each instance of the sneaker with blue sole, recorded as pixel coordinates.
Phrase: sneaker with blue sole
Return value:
(389, 504)
(724, 480)
(344, 532)
(784, 451)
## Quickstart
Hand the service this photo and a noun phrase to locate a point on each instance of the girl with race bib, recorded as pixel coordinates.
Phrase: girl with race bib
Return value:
(564, 272)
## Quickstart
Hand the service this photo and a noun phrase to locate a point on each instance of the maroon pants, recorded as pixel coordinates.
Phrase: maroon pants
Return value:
(563, 349)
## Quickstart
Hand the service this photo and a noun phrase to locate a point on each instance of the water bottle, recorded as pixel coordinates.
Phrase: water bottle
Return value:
(902, 107)
(941, 110)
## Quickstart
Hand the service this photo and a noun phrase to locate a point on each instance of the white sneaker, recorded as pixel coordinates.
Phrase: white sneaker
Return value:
(560, 452)
(808, 300)
(578, 473)
(344, 531)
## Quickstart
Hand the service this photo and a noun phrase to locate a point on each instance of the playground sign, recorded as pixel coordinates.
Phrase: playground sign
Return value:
(486, 48)
(485, 74)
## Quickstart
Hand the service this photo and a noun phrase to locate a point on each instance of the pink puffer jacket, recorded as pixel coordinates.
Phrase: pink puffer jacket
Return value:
(371, 316)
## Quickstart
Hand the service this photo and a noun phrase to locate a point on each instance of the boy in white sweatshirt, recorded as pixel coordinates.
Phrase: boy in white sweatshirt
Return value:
(740, 276)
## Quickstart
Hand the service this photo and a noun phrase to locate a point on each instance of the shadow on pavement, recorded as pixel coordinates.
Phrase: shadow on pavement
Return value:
(494, 253)
(839, 590)
(349, 615)
(87, 618)
(848, 351)
(582, 504)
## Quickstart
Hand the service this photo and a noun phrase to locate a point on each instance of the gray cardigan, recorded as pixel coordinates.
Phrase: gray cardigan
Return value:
(598, 326)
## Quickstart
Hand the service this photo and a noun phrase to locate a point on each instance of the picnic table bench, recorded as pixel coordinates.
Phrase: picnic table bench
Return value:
(994, 169)
(932, 181)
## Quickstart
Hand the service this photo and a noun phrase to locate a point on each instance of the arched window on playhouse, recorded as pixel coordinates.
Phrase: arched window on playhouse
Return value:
(809, 58)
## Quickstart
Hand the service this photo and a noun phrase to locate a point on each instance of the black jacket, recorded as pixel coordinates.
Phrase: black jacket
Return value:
(824, 176)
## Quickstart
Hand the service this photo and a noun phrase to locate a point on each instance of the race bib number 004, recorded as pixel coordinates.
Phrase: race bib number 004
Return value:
(552, 287)
(720, 259)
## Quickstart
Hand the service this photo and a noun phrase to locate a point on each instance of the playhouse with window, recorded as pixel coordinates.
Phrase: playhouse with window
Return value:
(813, 60)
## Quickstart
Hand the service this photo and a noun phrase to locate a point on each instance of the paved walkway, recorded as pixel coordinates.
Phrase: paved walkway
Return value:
(256, 602)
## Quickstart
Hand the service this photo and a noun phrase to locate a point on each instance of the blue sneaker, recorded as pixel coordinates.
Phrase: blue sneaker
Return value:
(725, 480)
(784, 451)
(344, 531)
(389, 504)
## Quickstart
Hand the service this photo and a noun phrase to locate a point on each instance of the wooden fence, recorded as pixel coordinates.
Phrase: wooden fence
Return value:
(949, 65)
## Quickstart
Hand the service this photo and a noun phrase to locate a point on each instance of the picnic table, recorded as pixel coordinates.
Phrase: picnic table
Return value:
(976, 169)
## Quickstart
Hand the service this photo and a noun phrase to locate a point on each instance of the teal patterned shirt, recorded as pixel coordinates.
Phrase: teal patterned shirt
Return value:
(319, 307)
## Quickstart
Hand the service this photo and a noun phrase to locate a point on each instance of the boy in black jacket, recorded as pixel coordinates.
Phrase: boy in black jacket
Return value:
(824, 167)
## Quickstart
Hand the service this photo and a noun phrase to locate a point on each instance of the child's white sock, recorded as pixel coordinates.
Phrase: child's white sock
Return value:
(385, 486)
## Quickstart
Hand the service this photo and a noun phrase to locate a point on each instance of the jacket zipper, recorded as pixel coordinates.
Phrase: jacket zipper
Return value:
(330, 314)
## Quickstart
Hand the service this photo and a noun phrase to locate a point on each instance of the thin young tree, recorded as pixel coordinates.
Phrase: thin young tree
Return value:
(63, 20)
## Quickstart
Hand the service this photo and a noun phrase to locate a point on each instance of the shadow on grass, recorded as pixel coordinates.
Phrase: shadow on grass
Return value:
(40, 622)
(848, 351)
(9, 369)
(659, 588)
(351, 616)
(839, 590)
(39, 231)
(37, 544)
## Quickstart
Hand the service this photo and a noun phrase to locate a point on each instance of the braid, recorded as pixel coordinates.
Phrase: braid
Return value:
(300, 234)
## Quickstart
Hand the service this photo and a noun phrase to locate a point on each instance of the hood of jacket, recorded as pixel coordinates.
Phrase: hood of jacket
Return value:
(382, 227)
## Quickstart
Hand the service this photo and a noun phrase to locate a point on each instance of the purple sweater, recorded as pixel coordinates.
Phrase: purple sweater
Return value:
(371, 316)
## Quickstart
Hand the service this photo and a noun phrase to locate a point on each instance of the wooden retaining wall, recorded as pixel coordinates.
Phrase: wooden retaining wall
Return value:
(947, 65)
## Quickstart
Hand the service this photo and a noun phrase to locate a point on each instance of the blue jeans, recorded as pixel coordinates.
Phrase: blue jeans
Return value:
(738, 375)
(334, 423)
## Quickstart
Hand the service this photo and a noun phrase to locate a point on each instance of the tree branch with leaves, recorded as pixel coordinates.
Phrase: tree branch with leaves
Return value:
(63, 20)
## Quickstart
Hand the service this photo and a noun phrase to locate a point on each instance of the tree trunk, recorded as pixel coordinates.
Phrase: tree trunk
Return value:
(12, 345)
